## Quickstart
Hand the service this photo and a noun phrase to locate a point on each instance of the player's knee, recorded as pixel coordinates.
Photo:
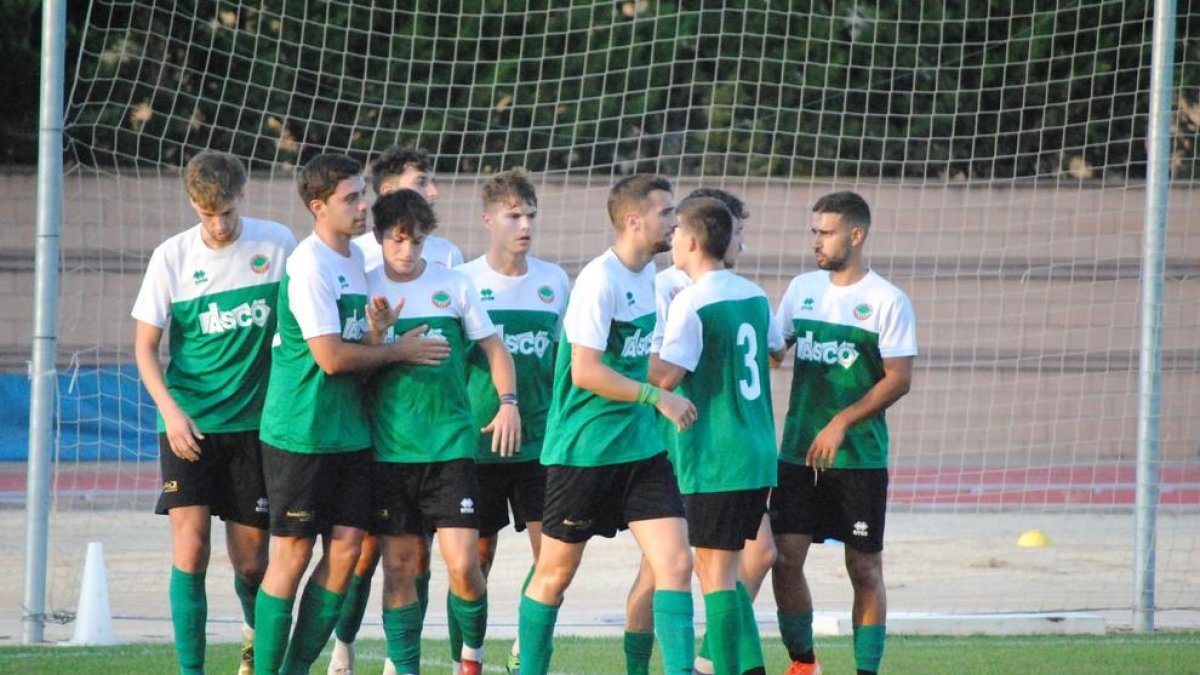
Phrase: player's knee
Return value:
(673, 569)
(761, 561)
(865, 571)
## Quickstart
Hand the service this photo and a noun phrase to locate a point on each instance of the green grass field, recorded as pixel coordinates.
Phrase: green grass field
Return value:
(1073, 655)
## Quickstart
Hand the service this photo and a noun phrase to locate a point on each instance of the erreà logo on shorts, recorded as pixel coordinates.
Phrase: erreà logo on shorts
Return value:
(636, 345)
(467, 505)
(245, 315)
(261, 505)
(829, 353)
(529, 343)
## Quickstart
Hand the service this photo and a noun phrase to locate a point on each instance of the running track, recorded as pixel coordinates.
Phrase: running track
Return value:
(1070, 486)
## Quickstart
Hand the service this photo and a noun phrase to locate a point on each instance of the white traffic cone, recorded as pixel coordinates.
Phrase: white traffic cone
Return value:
(93, 618)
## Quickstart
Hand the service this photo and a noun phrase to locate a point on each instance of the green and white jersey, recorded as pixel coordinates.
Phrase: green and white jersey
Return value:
(667, 285)
(842, 336)
(422, 413)
(721, 331)
(436, 249)
(222, 309)
(308, 411)
(527, 311)
(611, 310)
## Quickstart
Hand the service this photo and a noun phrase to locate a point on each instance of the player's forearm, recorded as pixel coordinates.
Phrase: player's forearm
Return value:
(664, 374)
(145, 355)
(604, 381)
(877, 399)
(504, 372)
(349, 357)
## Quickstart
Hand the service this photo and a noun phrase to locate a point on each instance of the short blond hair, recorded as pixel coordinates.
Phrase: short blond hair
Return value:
(214, 179)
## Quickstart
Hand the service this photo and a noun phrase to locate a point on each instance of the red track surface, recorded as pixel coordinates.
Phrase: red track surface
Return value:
(1107, 485)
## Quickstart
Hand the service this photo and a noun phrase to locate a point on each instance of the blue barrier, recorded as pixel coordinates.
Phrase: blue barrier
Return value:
(103, 413)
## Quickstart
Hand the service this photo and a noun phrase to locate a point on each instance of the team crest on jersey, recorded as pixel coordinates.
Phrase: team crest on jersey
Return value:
(862, 312)
(260, 263)
(546, 294)
(440, 299)
(487, 294)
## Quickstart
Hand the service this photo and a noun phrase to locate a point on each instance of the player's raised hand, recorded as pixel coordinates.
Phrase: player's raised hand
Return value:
(505, 429)
(677, 409)
(182, 434)
(381, 315)
(823, 451)
(414, 348)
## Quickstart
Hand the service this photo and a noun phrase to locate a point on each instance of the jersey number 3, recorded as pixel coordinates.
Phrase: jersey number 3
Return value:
(751, 386)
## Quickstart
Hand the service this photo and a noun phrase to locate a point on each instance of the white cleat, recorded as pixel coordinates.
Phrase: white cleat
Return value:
(341, 661)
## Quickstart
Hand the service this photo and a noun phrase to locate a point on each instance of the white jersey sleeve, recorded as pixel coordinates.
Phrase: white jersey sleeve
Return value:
(683, 338)
(786, 313)
(476, 322)
(312, 300)
(589, 313)
(898, 329)
(775, 340)
(153, 304)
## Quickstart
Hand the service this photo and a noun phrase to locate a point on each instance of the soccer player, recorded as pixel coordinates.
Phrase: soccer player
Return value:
(404, 167)
(855, 339)
(525, 297)
(217, 284)
(758, 555)
(314, 433)
(715, 348)
(398, 168)
(605, 467)
(425, 434)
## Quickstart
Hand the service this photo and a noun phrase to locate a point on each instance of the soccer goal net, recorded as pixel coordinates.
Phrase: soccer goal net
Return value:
(1001, 146)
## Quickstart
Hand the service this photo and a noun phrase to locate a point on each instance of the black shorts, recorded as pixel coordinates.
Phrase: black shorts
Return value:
(848, 505)
(420, 497)
(228, 478)
(310, 493)
(725, 520)
(501, 484)
(584, 502)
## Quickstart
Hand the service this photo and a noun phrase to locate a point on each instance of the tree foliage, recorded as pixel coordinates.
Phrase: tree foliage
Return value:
(926, 89)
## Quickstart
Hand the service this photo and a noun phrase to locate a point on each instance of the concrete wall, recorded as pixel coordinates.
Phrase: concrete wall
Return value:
(1027, 298)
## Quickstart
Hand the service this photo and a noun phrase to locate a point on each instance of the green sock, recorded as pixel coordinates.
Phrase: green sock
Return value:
(246, 591)
(353, 608)
(750, 653)
(471, 617)
(868, 647)
(675, 630)
(528, 578)
(272, 621)
(319, 609)
(639, 647)
(721, 613)
(402, 625)
(796, 631)
(455, 630)
(705, 653)
(535, 631)
(189, 614)
(422, 584)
